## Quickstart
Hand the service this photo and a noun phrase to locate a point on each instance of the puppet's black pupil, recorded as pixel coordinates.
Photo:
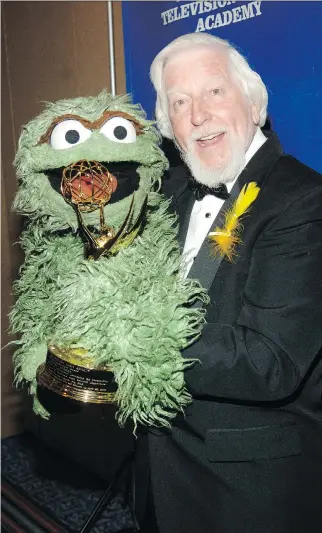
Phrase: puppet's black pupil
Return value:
(120, 132)
(72, 136)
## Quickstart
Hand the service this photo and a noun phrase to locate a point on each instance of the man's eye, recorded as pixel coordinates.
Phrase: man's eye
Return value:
(179, 103)
(215, 92)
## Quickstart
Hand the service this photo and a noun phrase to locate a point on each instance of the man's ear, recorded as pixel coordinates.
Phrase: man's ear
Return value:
(255, 114)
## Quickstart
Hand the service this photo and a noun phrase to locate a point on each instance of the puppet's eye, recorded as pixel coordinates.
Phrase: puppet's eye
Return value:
(119, 129)
(68, 133)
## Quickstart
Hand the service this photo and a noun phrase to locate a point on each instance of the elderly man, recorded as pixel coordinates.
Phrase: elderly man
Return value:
(246, 456)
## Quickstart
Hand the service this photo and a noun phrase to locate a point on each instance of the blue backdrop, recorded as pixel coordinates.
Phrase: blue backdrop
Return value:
(282, 40)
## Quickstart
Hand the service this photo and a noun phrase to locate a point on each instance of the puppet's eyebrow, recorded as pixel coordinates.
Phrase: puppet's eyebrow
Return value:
(91, 125)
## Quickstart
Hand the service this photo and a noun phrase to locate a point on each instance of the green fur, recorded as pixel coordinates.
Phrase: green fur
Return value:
(129, 311)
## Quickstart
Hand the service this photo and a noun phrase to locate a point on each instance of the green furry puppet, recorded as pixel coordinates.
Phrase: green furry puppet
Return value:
(88, 171)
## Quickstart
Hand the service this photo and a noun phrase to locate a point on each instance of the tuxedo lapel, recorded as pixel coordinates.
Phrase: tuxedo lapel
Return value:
(182, 199)
(185, 206)
(205, 265)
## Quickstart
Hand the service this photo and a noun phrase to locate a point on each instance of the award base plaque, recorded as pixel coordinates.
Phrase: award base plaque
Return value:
(70, 374)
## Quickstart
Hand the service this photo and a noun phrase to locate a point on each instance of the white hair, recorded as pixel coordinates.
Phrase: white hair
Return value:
(251, 82)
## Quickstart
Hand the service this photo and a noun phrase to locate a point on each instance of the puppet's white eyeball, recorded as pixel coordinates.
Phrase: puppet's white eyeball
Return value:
(119, 129)
(68, 133)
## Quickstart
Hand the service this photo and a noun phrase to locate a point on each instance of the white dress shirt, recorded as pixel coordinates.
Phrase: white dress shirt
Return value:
(205, 211)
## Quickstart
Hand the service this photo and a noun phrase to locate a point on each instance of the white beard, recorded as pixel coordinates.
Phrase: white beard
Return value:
(221, 173)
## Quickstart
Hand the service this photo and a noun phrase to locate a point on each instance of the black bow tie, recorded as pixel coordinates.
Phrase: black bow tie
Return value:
(200, 190)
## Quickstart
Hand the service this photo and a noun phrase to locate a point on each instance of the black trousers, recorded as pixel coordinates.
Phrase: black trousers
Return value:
(144, 505)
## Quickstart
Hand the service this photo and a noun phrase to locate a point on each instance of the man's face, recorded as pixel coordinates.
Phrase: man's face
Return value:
(213, 122)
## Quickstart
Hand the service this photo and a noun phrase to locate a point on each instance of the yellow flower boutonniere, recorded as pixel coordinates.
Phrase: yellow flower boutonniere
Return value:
(224, 240)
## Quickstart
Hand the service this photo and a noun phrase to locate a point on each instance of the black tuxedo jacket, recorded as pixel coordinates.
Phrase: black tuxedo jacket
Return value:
(246, 457)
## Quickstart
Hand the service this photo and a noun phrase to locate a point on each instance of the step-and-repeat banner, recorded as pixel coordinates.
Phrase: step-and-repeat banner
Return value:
(282, 41)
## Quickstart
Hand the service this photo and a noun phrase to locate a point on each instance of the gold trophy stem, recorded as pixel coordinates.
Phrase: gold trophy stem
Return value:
(102, 218)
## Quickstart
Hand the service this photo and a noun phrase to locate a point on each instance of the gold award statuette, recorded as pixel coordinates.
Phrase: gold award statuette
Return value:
(88, 186)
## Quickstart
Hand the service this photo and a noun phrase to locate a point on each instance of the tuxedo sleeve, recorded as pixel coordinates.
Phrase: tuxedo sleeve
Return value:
(277, 337)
